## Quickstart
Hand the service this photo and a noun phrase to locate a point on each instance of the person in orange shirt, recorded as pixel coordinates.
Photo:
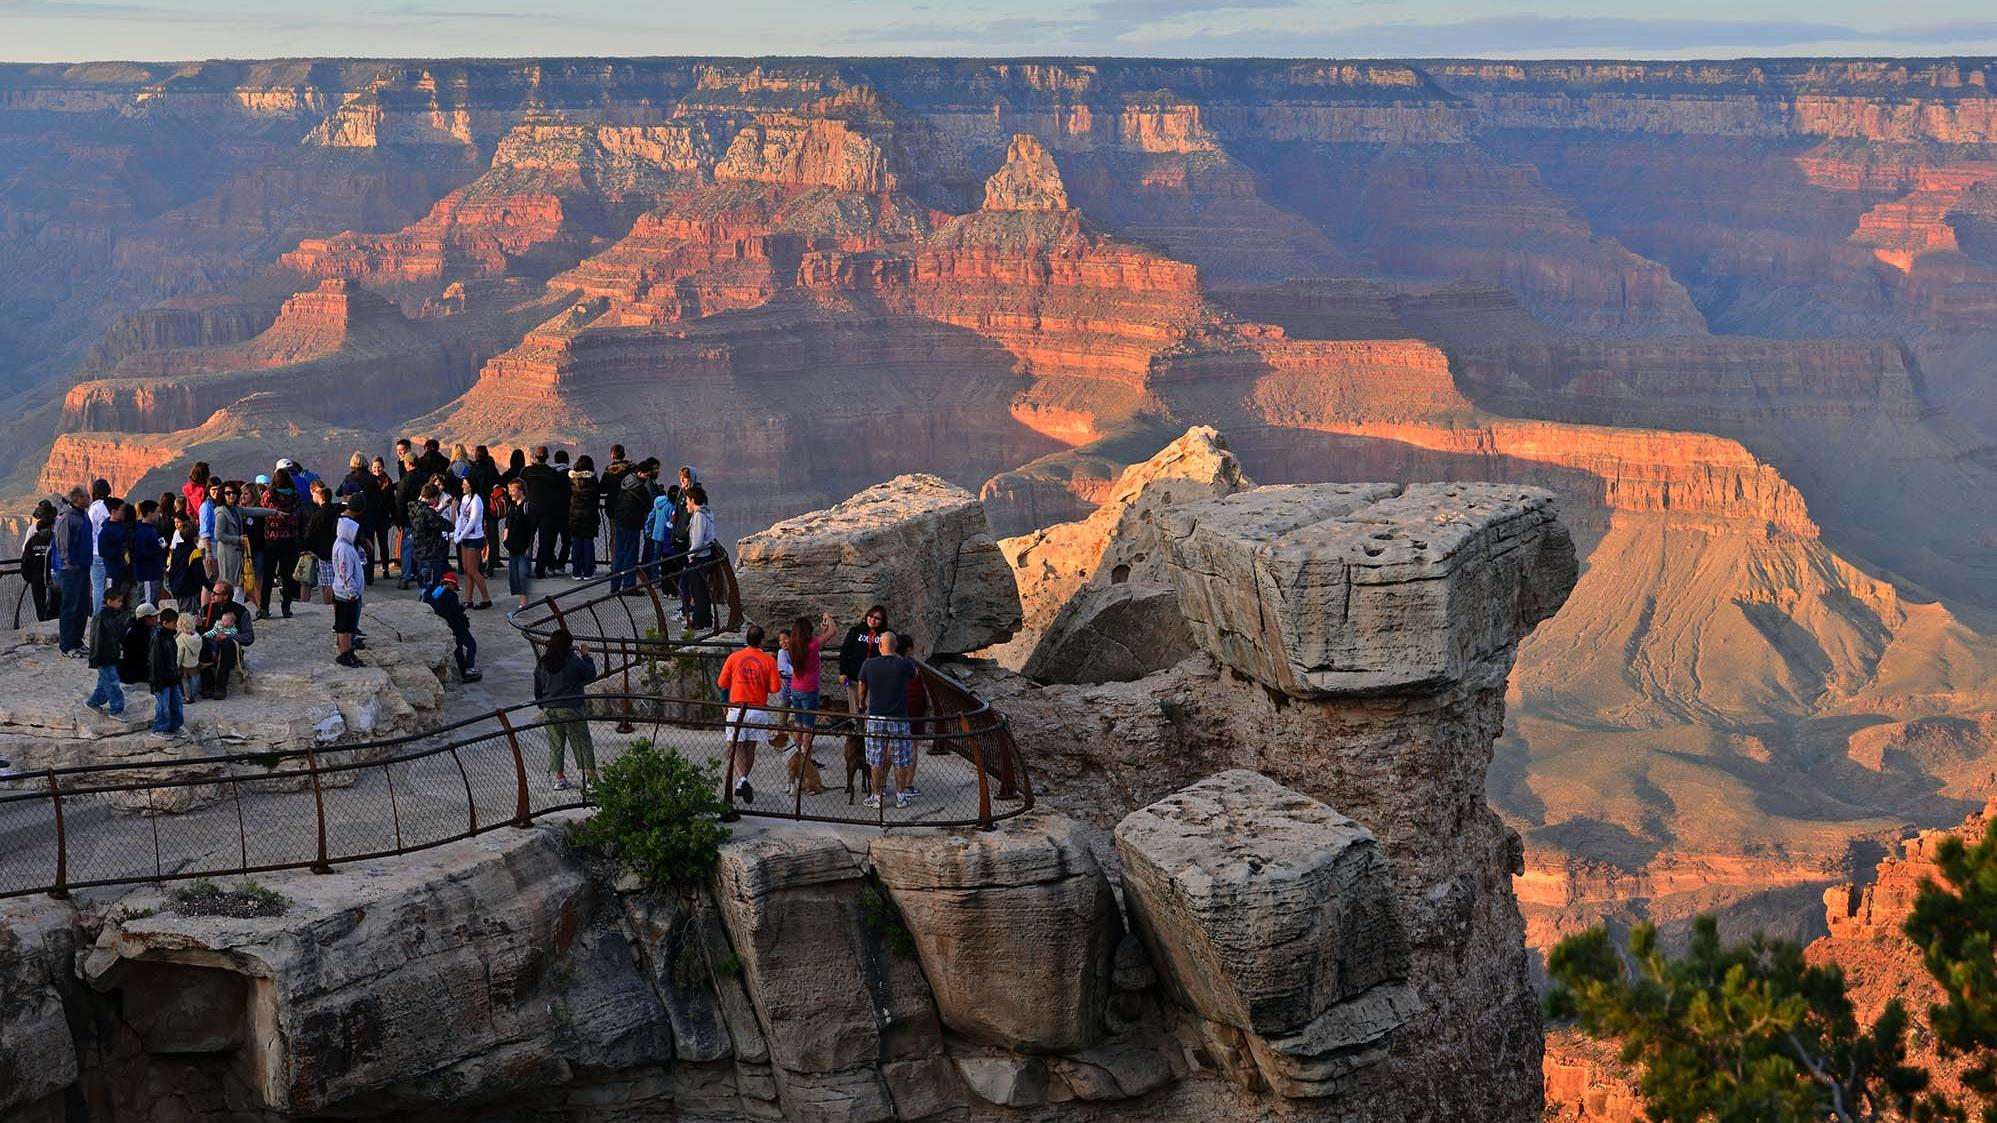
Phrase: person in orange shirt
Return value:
(750, 677)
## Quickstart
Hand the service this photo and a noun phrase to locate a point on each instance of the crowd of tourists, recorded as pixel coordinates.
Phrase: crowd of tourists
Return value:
(128, 578)
(166, 593)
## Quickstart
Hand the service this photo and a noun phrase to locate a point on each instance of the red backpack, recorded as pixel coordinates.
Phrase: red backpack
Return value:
(500, 504)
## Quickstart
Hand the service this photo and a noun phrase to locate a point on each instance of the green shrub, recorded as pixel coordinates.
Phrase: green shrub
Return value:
(205, 898)
(880, 917)
(659, 814)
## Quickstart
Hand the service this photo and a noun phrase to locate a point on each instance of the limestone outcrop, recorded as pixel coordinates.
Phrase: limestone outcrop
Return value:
(1271, 917)
(1338, 589)
(37, 1053)
(917, 544)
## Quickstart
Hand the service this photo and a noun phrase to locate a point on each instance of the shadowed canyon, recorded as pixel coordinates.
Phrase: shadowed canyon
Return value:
(1741, 317)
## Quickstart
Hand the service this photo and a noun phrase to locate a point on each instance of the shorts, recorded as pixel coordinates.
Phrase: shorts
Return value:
(885, 735)
(346, 616)
(749, 733)
(472, 544)
(802, 700)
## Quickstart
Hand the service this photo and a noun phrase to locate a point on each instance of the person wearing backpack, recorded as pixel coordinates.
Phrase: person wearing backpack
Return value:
(633, 507)
(107, 646)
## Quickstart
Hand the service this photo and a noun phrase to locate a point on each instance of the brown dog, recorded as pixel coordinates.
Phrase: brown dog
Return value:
(856, 762)
(803, 771)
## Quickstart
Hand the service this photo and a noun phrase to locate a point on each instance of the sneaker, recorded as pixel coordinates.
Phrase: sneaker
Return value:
(75, 653)
(562, 783)
(874, 800)
(744, 792)
(472, 675)
(97, 706)
(158, 735)
(349, 660)
(911, 791)
(904, 798)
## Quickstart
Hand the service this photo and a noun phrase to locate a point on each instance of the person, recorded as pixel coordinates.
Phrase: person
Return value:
(359, 483)
(862, 640)
(701, 550)
(918, 708)
(74, 546)
(148, 553)
(432, 534)
(749, 675)
(547, 497)
(320, 531)
(560, 676)
(884, 699)
(659, 527)
(107, 646)
(232, 533)
(225, 625)
(256, 555)
(433, 461)
(100, 513)
(163, 675)
(302, 478)
(403, 450)
(349, 572)
(484, 473)
(611, 480)
(283, 534)
(627, 527)
(187, 656)
(583, 519)
(460, 464)
(184, 570)
(114, 546)
(136, 645)
(443, 600)
(469, 533)
(211, 563)
(516, 463)
(407, 492)
(518, 538)
(804, 647)
(37, 558)
(674, 566)
(196, 487)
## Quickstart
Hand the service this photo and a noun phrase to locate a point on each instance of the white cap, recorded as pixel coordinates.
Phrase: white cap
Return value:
(146, 608)
(285, 462)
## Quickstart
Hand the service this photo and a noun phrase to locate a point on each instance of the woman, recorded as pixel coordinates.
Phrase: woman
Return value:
(560, 676)
(184, 576)
(518, 531)
(196, 487)
(380, 510)
(461, 465)
(468, 531)
(282, 532)
(35, 558)
(256, 573)
(232, 532)
(583, 511)
(803, 645)
(515, 465)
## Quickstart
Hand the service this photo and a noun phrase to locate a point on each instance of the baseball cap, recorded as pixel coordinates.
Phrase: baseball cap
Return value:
(145, 609)
(262, 479)
(286, 462)
(451, 579)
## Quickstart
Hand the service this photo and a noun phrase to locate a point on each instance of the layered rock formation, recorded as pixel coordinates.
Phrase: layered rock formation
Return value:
(915, 543)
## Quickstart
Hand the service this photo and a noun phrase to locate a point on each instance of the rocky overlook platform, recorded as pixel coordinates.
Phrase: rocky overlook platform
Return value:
(1247, 889)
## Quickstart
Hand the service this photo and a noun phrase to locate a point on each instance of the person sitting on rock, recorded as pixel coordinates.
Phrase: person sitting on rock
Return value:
(225, 624)
(107, 646)
(749, 676)
(443, 600)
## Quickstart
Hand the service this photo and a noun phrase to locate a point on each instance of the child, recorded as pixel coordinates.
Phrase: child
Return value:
(184, 568)
(163, 676)
(107, 643)
(187, 653)
(443, 600)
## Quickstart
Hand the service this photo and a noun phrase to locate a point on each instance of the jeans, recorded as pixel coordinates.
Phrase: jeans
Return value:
(648, 559)
(408, 549)
(567, 727)
(109, 693)
(548, 532)
(428, 573)
(519, 568)
(585, 557)
(624, 557)
(96, 586)
(466, 651)
(75, 588)
(166, 710)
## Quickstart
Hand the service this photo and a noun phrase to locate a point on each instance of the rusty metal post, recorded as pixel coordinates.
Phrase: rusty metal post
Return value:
(60, 890)
(728, 777)
(523, 811)
(471, 805)
(555, 610)
(624, 725)
(322, 864)
(984, 781)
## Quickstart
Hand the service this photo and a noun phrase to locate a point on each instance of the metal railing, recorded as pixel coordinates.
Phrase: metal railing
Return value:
(178, 817)
(17, 602)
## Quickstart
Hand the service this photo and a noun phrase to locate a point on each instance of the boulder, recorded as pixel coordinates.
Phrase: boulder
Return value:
(1271, 915)
(469, 974)
(1116, 634)
(1334, 590)
(917, 544)
(1016, 928)
(37, 953)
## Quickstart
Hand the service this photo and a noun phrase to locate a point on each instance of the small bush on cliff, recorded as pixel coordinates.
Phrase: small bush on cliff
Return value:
(1952, 923)
(659, 814)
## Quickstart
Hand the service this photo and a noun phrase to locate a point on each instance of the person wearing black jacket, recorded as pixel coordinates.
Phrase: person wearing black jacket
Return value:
(862, 640)
(548, 499)
(137, 645)
(517, 535)
(380, 514)
(107, 646)
(433, 462)
(163, 675)
(611, 478)
(319, 532)
(406, 492)
(35, 557)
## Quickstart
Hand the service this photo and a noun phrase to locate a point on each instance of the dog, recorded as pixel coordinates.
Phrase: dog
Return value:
(856, 762)
(800, 769)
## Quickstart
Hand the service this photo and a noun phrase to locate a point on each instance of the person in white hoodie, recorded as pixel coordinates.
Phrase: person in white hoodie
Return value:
(349, 573)
(468, 531)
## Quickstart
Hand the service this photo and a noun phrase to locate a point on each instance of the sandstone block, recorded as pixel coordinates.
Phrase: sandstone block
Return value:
(37, 950)
(1115, 634)
(917, 544)
(1268, 913)
(1016, 928)
(1350, 589)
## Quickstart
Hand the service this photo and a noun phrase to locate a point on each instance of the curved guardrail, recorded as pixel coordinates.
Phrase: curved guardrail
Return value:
(243, 813)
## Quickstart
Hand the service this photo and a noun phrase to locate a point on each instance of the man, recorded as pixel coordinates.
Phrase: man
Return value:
(107, 647)
(749, 676)
(862, 640)
(163, 676)
(226, 624)
(433, 462)
(302, 479)
(612, 478)
(548, 499)
(432, 531)
(517, 535)
(406, 492)
(884, 697)
(631, 506)
(137, 644)
(100, 513)
(349, 572)
(73, 546)
(695, 593)
(402, 462)
(443, 600)
(205, 531)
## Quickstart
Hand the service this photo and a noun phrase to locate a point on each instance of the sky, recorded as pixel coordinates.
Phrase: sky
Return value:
(151, 30)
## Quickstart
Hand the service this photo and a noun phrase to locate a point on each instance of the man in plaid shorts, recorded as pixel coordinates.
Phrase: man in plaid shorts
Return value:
(883, 693)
